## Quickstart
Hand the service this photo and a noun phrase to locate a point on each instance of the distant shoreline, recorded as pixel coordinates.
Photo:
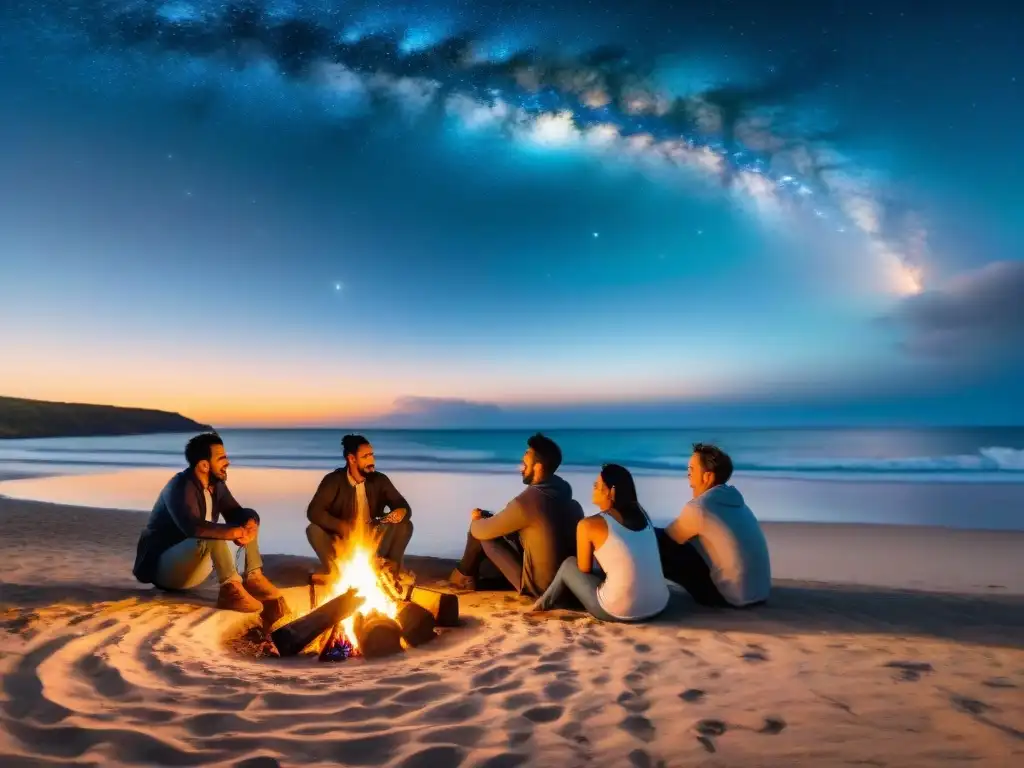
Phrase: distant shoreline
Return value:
(23, 419)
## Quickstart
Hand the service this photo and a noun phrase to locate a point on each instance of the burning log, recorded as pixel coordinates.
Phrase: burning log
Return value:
(417, 624)
(377, 635)
(444, 607)
(293, 637)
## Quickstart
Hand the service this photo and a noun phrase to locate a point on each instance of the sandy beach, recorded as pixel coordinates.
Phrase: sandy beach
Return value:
(97, 670)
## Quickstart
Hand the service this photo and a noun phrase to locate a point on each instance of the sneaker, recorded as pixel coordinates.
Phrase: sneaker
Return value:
(260, 587)
(461, 581)
(233, 597)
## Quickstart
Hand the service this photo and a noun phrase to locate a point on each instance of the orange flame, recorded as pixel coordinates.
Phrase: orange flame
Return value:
(357, 569)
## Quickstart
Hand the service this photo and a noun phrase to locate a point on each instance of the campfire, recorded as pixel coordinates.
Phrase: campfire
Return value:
(369, 609)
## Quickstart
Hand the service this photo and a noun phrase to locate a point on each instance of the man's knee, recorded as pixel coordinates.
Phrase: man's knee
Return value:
(317, 535)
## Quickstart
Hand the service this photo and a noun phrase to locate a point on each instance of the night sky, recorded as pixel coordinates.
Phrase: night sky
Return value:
(593, 213)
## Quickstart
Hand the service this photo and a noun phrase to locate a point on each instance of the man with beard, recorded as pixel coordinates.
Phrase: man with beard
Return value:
(528, 540)
(357, 494)
(184, 540)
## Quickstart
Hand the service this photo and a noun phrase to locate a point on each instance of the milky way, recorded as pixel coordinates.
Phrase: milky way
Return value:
(743, 136)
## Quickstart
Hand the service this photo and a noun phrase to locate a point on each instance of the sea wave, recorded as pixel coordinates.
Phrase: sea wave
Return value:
(992, 461)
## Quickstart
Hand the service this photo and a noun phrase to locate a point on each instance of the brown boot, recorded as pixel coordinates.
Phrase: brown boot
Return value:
(233, 597)
(260, 587)
(461, 581)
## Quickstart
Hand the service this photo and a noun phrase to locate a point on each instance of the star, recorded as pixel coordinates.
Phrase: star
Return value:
(597, 234)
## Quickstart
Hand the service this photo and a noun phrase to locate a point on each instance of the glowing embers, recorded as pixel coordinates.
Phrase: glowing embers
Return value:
(366, 609)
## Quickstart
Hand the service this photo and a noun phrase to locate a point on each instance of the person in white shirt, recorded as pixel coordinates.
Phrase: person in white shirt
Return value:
(716, 549)
(630, 585)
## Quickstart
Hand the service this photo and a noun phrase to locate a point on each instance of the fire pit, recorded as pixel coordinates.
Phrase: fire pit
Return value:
(368, 609)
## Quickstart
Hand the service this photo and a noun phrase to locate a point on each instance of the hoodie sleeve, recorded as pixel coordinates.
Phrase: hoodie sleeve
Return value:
(319, 510)
(184, 507)
(511, 519)
(690, 523)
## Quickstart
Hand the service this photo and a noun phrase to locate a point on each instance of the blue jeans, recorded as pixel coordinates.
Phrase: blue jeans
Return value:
(571, 580)
(188, 564)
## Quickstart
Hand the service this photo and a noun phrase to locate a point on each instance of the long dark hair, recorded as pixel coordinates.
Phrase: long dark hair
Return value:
(626, 504)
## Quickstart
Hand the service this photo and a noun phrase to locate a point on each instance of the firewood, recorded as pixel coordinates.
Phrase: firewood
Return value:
(377, 635)
(443, 606)
(417, 624)
(293, 637)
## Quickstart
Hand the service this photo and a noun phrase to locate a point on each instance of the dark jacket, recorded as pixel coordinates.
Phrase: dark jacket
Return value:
(179, 514)
(545, 517)
(333, 506)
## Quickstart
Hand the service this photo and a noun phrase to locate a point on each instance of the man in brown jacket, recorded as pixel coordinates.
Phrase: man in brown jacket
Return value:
(357, 494)
(528, 540)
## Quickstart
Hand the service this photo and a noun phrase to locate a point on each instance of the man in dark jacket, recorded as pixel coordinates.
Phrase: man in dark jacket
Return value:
(357, 495)
(184, 540)
(528, 540)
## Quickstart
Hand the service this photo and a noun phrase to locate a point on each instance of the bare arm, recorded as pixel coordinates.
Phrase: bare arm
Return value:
(318, 512)
(511, 519)
(689, 524)
(584, 546)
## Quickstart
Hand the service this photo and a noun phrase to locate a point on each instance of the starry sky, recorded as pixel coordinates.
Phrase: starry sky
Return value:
(580, 213)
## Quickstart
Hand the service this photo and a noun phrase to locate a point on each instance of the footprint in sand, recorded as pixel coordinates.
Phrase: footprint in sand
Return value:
(424, 694)
(461, 735)
(544, 714)
(432, 756)
(638, 758)
(692, 695)
(910, 671)
(755, 653)
(711, 727)
(560, 690)
(490, 677)
(642, 648)
(773, 726)
(505, 760)
(998, 682)
(633, 702)
(639, 727)
(707, 730)
(969, 706)
(519, 700)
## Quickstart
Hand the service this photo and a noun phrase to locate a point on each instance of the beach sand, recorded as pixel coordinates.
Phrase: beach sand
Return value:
(96, 669)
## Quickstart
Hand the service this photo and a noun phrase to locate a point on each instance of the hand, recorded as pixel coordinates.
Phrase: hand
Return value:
(247, 533)
(395, 516)
(476, 514)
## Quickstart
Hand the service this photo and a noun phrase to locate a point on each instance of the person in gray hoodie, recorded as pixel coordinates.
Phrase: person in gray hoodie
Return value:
(530, 538)
(716, 549)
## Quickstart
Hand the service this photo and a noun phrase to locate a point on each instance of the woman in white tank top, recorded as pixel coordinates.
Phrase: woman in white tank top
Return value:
(622, 540)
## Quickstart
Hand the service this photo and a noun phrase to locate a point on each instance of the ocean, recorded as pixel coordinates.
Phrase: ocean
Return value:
(993, 454)
(961, 478)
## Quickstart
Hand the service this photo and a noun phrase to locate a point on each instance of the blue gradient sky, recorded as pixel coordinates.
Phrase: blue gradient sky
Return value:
(174, 227)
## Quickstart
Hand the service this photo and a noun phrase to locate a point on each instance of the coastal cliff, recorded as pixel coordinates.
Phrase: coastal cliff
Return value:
(21, 418)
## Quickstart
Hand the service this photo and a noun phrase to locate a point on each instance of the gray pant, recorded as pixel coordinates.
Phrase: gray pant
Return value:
(188, 564)
(570, 580)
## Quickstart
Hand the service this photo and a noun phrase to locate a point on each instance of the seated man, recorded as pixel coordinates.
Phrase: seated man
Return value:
(716, 549)
(528, 540)
(183, 540)
(357, 494)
